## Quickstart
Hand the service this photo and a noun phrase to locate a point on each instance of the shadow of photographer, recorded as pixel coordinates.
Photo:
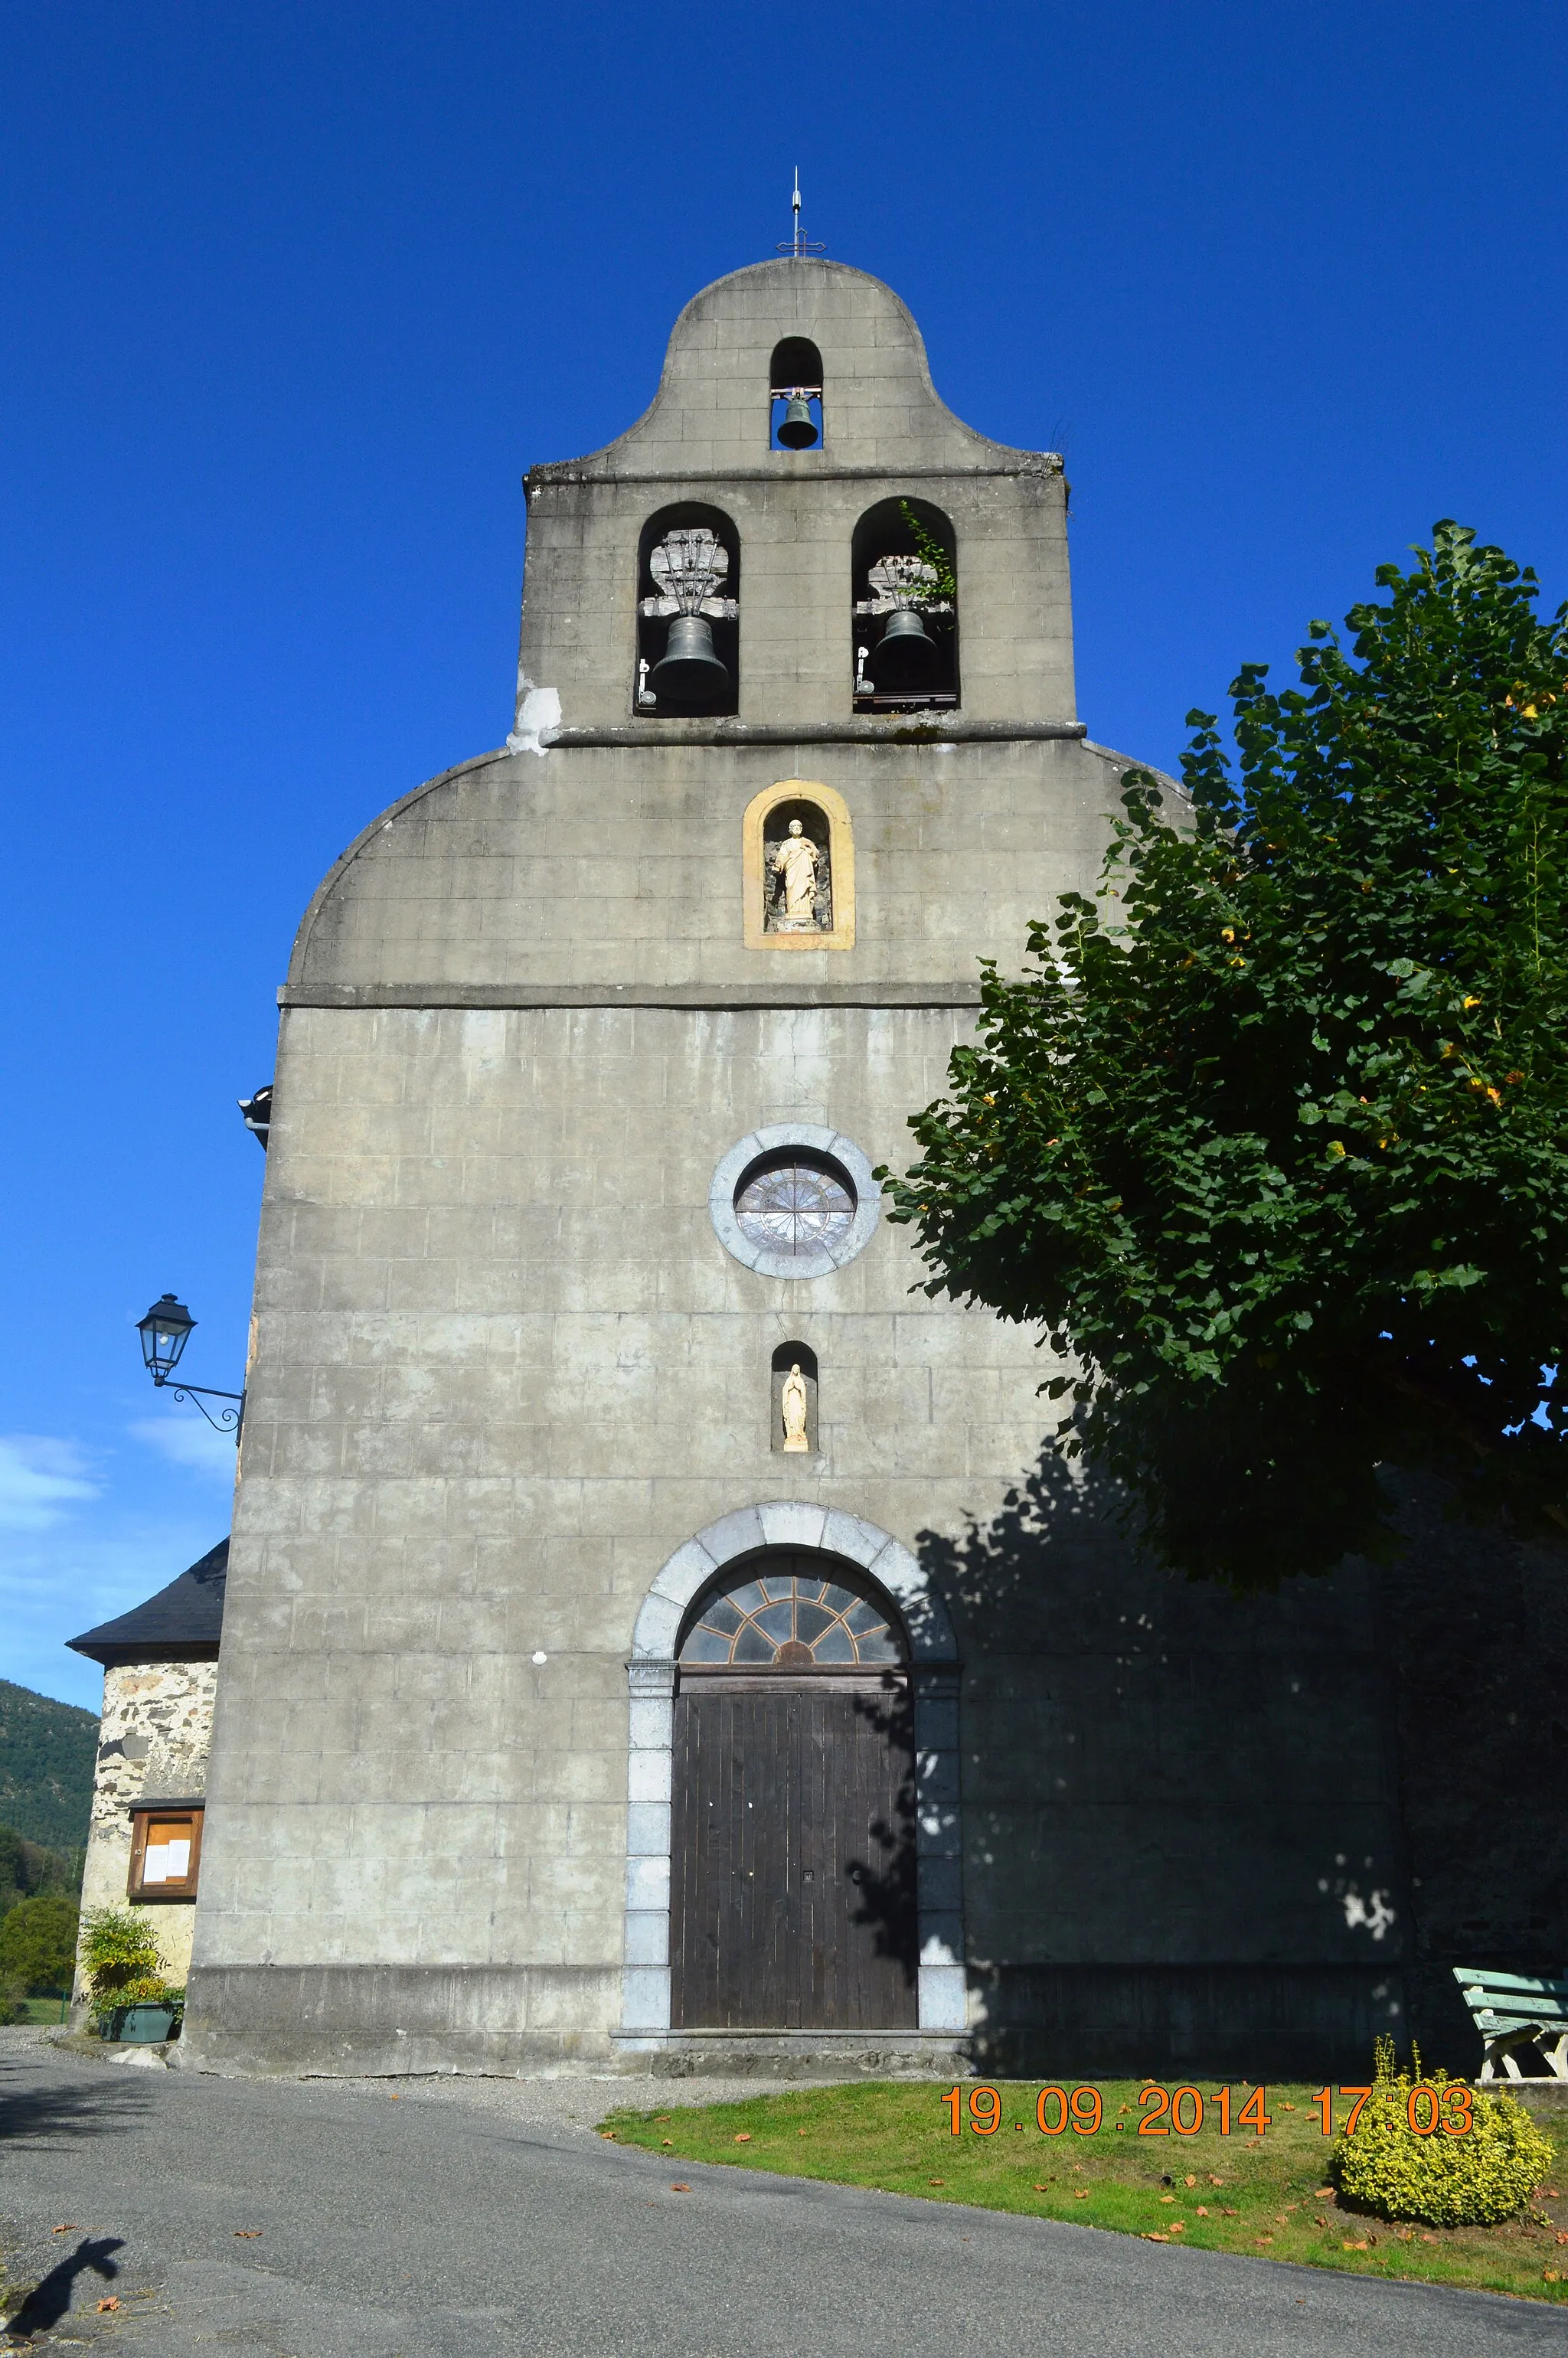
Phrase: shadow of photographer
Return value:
(49, 2302)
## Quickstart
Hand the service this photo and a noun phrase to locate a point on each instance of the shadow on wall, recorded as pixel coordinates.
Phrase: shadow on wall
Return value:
(1242, 1835)
(885, 1880)
(1170, 1795)
(1479, 1643)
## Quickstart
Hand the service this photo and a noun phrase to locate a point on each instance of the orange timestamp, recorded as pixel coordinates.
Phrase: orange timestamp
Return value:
(1188, 2109)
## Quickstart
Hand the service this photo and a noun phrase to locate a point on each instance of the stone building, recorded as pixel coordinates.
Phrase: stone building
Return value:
(657, 1628)
(149, 1785)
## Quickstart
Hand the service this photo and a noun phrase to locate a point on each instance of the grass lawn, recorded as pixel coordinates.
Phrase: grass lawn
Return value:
(44, 2010)
(1262, 2195)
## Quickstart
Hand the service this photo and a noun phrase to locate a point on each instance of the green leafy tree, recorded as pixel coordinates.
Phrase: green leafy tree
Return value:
(28, 1867)
(37, 1944)
(1274, 1140)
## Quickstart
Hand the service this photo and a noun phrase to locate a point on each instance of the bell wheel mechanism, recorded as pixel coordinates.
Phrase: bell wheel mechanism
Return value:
(906, 659)
(689, 568)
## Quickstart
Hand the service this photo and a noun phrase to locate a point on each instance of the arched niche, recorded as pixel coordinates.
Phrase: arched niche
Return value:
(794, 1435)
(689, 594)
(822, 816)
(794, 376)
(904, 574)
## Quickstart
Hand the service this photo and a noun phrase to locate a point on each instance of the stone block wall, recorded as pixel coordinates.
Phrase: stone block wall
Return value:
(504, 1368)
(153, 1744)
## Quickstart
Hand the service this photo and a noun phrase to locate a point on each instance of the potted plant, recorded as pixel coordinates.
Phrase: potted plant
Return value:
(130, 1998)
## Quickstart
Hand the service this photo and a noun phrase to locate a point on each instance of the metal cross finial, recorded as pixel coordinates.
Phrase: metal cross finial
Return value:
(799, 245)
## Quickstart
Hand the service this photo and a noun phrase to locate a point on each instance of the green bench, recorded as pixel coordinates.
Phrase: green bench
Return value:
(1511, 2011)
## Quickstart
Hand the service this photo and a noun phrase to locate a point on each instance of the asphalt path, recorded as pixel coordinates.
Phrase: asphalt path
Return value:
(322, 2219)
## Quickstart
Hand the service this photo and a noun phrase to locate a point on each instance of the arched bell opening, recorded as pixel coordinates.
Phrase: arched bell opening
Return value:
(795, 395)
(906, 598)
(688, 604)
(793, 1856)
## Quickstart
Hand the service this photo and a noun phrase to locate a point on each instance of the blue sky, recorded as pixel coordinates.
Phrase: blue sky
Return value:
(293, 295)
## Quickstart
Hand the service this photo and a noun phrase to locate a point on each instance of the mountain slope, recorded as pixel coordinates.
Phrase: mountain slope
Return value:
(47, 1753)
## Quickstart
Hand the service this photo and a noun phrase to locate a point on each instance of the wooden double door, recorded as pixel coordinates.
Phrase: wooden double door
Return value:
(792, 1893)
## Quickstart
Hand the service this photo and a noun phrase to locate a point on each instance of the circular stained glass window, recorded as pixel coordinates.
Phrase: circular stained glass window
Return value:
(787, 1620)
(795, 1203)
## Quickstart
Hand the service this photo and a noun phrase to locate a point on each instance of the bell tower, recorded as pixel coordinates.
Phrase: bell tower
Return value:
(796, 434)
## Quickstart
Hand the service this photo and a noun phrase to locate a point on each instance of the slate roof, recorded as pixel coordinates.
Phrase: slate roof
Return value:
(183, 1623)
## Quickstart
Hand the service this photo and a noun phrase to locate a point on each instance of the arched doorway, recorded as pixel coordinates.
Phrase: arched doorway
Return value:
(793, 1857)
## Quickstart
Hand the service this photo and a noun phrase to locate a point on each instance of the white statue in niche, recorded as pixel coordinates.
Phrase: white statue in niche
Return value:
(793, 1402)
(794, 865)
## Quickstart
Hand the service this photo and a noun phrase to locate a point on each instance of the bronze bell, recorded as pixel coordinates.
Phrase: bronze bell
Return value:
(689, 675)
(906, 653)
(798, 431)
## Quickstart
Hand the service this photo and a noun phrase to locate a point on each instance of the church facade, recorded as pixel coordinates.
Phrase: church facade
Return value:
(655, 1628)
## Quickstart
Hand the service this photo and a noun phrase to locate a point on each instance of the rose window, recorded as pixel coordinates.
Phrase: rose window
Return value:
(796, 1206)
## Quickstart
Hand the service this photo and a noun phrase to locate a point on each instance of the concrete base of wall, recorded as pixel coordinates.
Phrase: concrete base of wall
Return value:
(366, 2021)
(797, 2054)
(1255, 2022)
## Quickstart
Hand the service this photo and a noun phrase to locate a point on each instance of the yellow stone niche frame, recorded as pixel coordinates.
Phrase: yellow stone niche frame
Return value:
(840, 855)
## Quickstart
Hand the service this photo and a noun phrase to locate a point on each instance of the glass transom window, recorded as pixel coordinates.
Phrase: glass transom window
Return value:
(789, 1620)
(798, 1204)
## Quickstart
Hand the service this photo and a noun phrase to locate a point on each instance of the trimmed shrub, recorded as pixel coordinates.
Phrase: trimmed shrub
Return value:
(1472, 2179)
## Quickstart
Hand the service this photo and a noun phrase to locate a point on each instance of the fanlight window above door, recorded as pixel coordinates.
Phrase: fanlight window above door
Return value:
(790, 1620)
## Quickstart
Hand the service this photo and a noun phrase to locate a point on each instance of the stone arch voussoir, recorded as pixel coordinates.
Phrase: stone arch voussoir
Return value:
(791, 1522)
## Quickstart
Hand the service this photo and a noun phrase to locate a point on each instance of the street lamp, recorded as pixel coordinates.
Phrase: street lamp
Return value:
(165, 1331)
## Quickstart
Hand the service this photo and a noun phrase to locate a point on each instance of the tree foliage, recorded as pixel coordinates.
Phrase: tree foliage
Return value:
(28, 1867)
(37, 1944)
(1272, 1140)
